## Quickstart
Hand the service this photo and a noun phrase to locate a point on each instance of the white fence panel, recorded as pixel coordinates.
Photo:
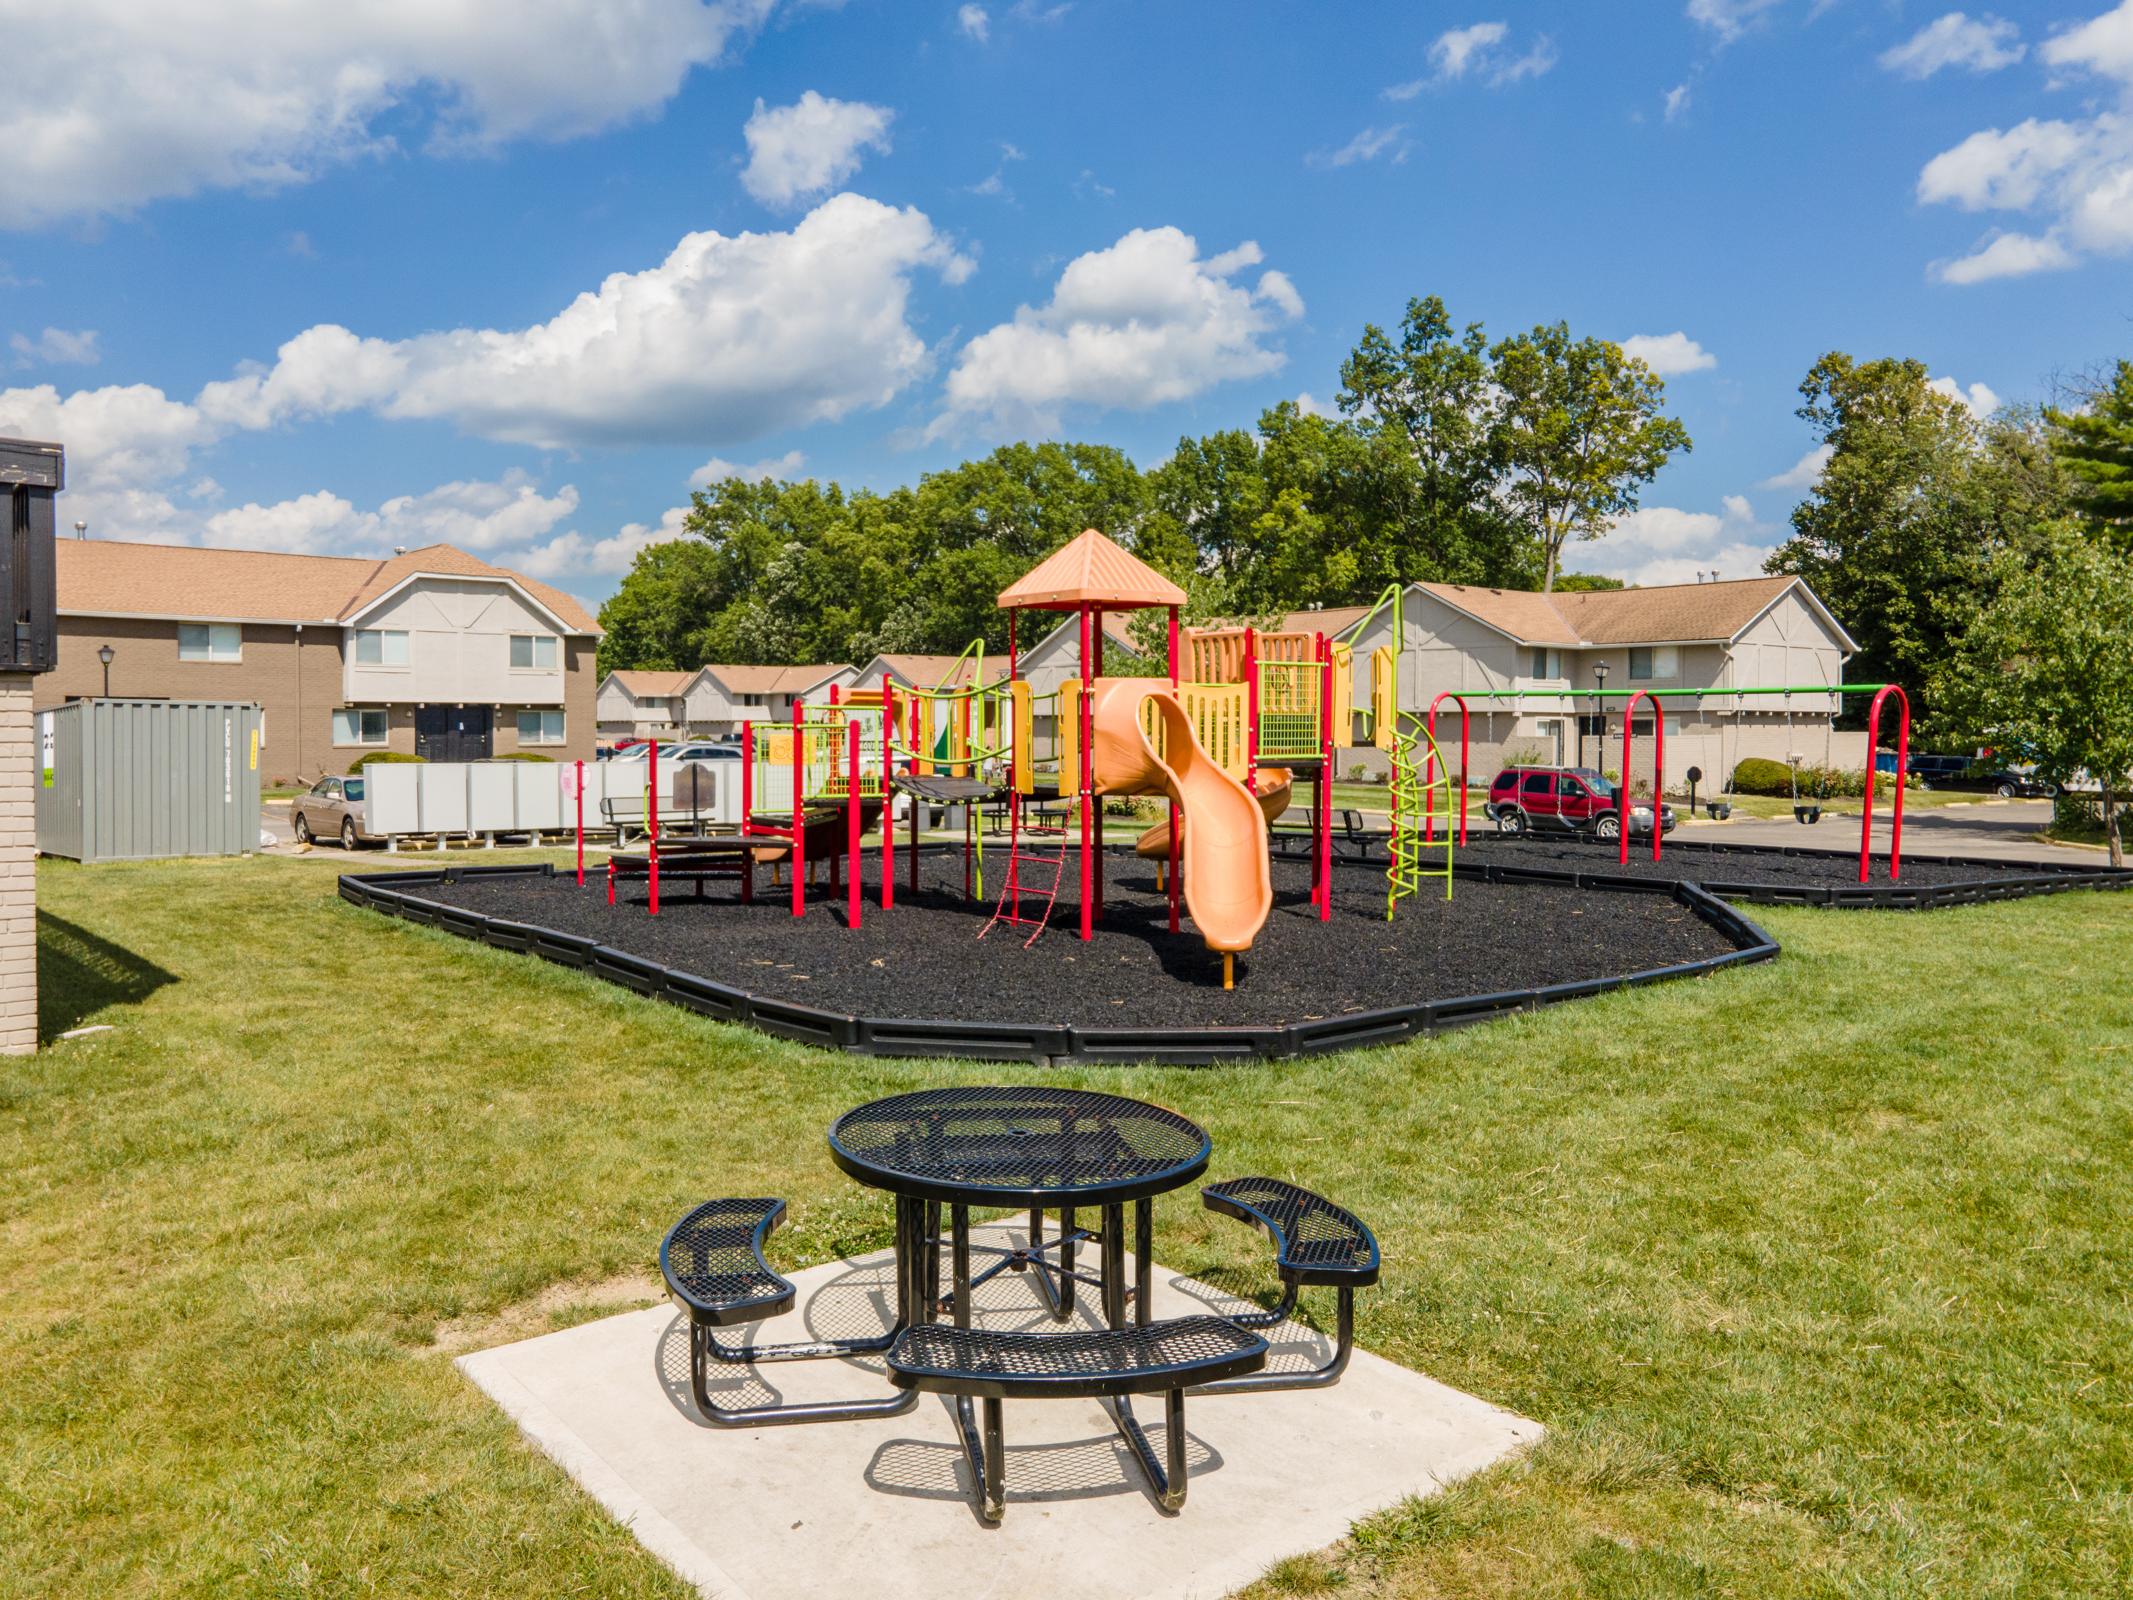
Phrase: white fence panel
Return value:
(492, 796)
(540, 794)
(444, 797)
(392, 798)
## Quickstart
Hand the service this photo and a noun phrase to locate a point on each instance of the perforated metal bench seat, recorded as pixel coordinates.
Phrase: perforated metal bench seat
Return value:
(1082, 1364)
(712, 1260)
(1103, 1364)
(713, 1263)
(1316, 1243)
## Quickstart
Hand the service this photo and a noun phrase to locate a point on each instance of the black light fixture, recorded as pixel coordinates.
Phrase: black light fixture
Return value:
(104, 654)
(1599, 673)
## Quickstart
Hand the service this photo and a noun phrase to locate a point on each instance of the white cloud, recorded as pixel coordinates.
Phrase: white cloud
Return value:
(122, 434)
(56, 347)
(1664, 544)
(138, 102)
(1456, 49)
(1979, 397)
(1977, 44)
(2076, 175)
(1669, 354)
(1804, 473)
(975, 22)
(1365, 146)
(2102, 45)
(1141, 323)
(1728, 19)
(1478, 51)
(729, 338)
(718, 469)
(1676, 102)
(809, 146)
(572, 553)
(2006, 255)
(1309, 405)
(490, 518)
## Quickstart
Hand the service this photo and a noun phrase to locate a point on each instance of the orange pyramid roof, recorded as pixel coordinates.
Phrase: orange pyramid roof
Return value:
(1090, 570)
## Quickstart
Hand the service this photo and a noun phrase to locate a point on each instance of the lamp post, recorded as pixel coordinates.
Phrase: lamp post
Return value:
(104, 655)
(1599, 704)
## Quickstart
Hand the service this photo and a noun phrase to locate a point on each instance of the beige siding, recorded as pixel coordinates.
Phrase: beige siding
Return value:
(459, 637)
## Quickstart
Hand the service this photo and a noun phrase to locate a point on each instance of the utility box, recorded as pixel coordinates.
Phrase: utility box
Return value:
(126, 780)
(31, 474)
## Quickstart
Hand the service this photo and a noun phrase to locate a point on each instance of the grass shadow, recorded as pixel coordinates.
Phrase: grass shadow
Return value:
(80, 973)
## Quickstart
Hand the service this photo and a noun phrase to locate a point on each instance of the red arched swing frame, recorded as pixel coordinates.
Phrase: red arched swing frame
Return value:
(1629, 724)
(1429, 799)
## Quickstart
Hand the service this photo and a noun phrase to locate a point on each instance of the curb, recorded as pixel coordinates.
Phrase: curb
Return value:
(1039, 1043)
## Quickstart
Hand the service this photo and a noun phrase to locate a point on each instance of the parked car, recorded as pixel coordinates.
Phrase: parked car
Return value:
(331, 808)
(1566, 800)
(1971, 774)
(693, 750)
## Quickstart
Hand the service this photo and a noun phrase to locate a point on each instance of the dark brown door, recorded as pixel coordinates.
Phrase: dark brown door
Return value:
(454, 733)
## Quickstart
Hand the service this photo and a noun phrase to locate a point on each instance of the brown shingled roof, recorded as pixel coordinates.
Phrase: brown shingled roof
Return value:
(931, 672)
(651, 685)
(120, 577)
(1332, 621)
(773, 680)
(1678, 613)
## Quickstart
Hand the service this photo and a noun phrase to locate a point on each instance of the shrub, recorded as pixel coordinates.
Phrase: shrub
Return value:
(1757, 776)
(524, 755)
(375, 757)
(1527, 755)
(2077, 816)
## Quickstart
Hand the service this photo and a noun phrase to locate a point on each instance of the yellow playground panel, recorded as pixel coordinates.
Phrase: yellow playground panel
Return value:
(1294, 710)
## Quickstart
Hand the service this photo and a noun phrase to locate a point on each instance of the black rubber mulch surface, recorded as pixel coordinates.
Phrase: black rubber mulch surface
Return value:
(1742, 864)
(924, 960)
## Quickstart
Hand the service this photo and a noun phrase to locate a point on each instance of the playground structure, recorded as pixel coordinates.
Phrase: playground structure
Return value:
(1221, 740)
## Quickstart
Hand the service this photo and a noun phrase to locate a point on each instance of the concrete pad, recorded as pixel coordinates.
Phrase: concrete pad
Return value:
(883, 1507)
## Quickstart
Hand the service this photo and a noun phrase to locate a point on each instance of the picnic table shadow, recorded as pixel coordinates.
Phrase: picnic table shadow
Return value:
(858, 1303)
(80, 973)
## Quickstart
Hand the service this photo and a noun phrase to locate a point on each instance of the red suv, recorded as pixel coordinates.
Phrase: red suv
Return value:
(1566, 800)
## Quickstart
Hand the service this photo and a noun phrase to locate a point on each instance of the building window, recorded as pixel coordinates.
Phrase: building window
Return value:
(1547, 663)
(359, 725)
(1655, 661)
(209, 641)
(381, 647)
(540, 727)
(533, 651)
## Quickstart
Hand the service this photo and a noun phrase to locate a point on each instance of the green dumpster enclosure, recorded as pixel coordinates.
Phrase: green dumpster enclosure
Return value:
(125, 780)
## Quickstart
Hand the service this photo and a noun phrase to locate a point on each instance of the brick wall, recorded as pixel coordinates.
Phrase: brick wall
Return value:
(18, 867)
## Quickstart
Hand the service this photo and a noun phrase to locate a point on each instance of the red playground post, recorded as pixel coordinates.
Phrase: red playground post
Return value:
(851, 818)
(799, 829)
(1429, 798)
(747, 806)
(1629, 717)
(888, 793)
(651, 803)
(581, 824)
(1087, 780)
(1325, 779)
(1903, 764)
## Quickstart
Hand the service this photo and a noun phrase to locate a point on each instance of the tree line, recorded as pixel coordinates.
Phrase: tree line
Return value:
(1452, 459)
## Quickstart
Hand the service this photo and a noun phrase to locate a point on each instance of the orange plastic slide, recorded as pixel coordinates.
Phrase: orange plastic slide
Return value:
(1272, 787)
(1229, 887)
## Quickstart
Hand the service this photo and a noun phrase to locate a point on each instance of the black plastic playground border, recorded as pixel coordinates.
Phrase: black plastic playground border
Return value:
(1041, 1043)
(2044, 877)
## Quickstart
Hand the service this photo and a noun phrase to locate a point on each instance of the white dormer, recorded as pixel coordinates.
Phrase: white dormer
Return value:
(454, 641)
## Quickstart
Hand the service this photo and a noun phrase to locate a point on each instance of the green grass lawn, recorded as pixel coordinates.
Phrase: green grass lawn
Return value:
(1817, 1272)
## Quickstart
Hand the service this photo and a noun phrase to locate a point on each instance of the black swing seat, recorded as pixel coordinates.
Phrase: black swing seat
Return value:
(1315, 1241)
(1107, 1364)
(1316, 1244)
(1084, 1364)
(713, 1263)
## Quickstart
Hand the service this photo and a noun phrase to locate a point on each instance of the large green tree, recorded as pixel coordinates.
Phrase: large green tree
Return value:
(2093, 443)
(1903, 533)
(2044, 665)
(1580, 428)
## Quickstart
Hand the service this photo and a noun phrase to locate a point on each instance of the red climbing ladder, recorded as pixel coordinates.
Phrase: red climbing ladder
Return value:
(1047, 858)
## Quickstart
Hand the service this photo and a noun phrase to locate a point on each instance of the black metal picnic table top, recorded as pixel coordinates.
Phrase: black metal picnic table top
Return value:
(989, 1146)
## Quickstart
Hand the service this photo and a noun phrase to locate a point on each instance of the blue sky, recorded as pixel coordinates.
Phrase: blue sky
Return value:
(409, 275)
